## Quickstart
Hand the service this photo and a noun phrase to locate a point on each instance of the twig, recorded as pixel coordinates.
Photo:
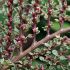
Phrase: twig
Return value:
(34, 46)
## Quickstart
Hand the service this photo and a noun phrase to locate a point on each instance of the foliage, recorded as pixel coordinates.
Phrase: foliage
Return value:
(25, 22)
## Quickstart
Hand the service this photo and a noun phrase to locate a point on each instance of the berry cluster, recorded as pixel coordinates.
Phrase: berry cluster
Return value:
(23, 22)
(36, 6)
(34, 15)
(49, 15)
(62, 10)
(22, 25)
(20, 39)
(8, 50)
(37, 11)
(9, 24)
(64, 4)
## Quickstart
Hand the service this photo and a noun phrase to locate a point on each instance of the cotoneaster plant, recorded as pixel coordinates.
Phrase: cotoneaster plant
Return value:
(18, 42)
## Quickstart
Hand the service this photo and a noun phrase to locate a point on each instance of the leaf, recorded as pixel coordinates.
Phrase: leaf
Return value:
(8, 62)
(62, 58)
(2, 61)
(0, 11)
(58, 36)
(46, 44)
(4, 43)
(41, 58)
(69, 63)
(37, 50)
(43, 2)
(16, 30)
(15, 1)
(1, 49)
(31, 53)
(15, 41)
(55, 52)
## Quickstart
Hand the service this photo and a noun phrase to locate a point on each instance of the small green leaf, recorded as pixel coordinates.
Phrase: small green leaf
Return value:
(16, 30)
(0, 11)
(41, 58)
(2, 61)
(47, 44)
(55, 52)
(62, 58)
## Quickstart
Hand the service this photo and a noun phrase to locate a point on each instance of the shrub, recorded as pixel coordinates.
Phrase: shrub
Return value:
(19, 31)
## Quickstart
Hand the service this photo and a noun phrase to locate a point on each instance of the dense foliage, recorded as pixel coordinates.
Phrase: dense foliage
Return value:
(25, 24)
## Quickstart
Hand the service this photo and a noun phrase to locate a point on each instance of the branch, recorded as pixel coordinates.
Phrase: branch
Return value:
(36, 44)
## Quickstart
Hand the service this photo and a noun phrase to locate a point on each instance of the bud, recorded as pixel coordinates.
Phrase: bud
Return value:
(61, 10)
(34, 30)
(49, 11)
(10, 27)
(19, 43)
(35, 5)
(68, 57)
(9, 4)
(7, 37)
(34, 15)
(22, 26)
(61, 20)
(5, 53)
(65, 5)
(62, 0)
(0, 41)
(34, 20)
(20, 2)
(11, 1)
(17, 39)
(10, 19)
(48, 58)
(9, 15)
(42, 67)
(8, 24)
(8, 43)
(37, 1)
(49, 1)
(37, 9)
(10, 49)
(9, 32)
(22, 38)
(10, 11)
